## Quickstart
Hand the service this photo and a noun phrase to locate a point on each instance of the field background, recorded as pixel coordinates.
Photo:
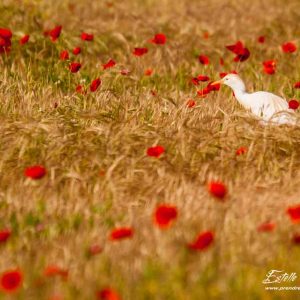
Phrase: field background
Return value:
(94, 148)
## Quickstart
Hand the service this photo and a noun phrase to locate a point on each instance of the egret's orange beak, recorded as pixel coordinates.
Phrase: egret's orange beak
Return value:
(217, 82)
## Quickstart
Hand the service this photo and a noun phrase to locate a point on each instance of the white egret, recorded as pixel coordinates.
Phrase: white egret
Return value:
(270, 108)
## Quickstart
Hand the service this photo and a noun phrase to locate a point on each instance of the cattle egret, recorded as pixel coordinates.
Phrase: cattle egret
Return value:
(270, 108)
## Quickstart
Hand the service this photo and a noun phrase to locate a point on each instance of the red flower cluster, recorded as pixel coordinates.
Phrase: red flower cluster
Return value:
(242, 53)
(297, 85)
(11, 280)
(164, 215)
(140, 51)
(24, 40)
(87, 37)
(76, 50)
(294, 213)
(266, 227)
(64, 55)
(261, 39)
(269, 66)
(4, 235)
(202, 241)
(75, 67)
(95, 84)
(55, 33)
(54, 270)
(159, 39)
(155, 151)
(111, 63)
(217, 189)
(203, 59)
(289, 47)
(211, 87)
(121, 233)
(199, 78)
(148, 72)
(241, 150)
(80, 89)
(107, 294)
(191, 103)
(35, 172)
(293, 104)
(5, 40)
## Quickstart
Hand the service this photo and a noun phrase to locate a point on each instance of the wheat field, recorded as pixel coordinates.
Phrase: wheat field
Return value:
(94, 148)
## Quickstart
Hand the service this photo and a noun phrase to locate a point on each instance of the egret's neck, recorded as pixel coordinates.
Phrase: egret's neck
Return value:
(241, 96)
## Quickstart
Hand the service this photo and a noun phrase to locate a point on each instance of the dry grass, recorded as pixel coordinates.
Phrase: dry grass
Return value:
(56, 219)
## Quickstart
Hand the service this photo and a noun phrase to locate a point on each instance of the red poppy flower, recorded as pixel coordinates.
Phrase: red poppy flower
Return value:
(241, 52)
(35, 172)
(236, 48)
(140, 51)
(202, 78)
(5, 40)
(159, 39)
(95, 249)
(5, 33)
(95, 84)
(64, 55)
(195, 81)
(297, 85)
(148, 72)
(289, 47)
(87, 37)
(203, 241)
(80, 89)
(217, 189)
(294, 213)
(213, 87)
(164, 215)
(269, 66)
(223, 74)
(121, 233)
(109, 64)
(293, 104)
(203, 93)
(244, 55)
(191, 103)
(155, 151)
(124, 72)
(205, 35)
(261, 39)
(76, 50)
(55, 33)
(24, 40)
(221, 61)
(241, 150)
(75, 67)
(203, 59)
(296, 238)
(11, 280)
(54, 270)
(4, 235)
(107, 294)
(266, 227)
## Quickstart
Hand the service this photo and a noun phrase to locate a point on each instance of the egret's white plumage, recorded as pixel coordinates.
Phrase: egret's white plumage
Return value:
(267, 106)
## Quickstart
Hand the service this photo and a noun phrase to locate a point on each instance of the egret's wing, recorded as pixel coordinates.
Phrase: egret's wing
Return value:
(281, 112)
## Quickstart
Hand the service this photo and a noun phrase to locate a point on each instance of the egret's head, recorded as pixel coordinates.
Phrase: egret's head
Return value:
(234, 81)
